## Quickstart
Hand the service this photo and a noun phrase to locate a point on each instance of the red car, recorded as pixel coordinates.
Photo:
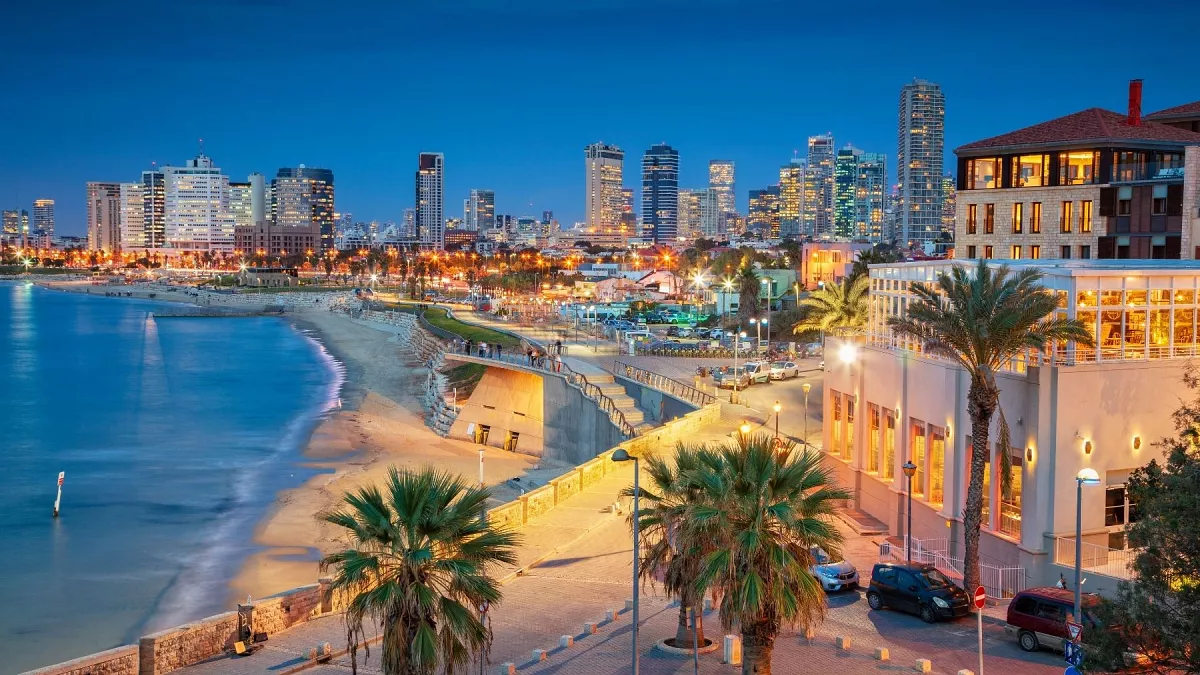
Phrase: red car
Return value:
(1037, 617)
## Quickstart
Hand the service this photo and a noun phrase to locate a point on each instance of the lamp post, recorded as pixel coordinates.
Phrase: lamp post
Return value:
(757, 333)
(777, 408)
(910, 469)
(744, 431)
(766, 321)
(807, 388)
(620, 455)
(736, 346)
(1084, 477)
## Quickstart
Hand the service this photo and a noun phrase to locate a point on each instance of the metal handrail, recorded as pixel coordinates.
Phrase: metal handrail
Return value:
(661, 382)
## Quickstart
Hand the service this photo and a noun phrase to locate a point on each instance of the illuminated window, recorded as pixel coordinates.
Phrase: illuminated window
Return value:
(917, 456)
(1077, 168)
(889, 445)
(1031, 170)
(1010, 500)
(989, 218)
(836, 426)
(937, 464)
(984, 173)
(1035, 218)
(848, 446)
(1064, 218)
(1016, 252)
(873, 439)
(1017, 214)
(972, 213)
(1085, 216)
(1035, 252)
(987, 252)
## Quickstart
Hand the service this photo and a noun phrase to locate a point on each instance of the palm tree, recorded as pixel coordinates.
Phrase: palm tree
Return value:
(762, 509)
(419, 563)
(663, 516)
(873, 256)
(748, 288)
(840, 307)
(983, 318)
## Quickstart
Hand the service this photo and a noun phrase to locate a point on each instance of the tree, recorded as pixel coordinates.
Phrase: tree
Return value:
(748, 287)
(982, 318)
(665, 551)
(1156, 613)
(762, 509)
(419, 563)
(839, 307)
(873, 256)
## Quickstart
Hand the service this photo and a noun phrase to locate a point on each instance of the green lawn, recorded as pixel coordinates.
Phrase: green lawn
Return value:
(438, 317)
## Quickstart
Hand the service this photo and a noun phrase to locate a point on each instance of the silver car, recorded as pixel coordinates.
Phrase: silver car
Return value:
(834, 575)
(784, 369)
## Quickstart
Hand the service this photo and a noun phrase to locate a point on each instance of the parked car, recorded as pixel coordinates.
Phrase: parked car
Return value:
(813, 349)
(760, 373)
(727, 378)
(1037, 617)
(834, 574)
(917, 589)
(784, 369)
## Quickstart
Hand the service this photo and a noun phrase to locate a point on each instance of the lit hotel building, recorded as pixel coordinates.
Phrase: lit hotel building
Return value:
(722, 180)
(887, 402)
(196, 207)
(921, 130)
(660, 194)
(430, 213)
(604, 203)
(1093, 184)
(104, 216)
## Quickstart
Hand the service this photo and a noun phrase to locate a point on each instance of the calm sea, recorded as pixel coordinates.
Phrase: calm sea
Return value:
(175, 436)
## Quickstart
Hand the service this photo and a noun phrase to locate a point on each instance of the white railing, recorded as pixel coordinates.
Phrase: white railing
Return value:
(1094, 558)
(1000, 581)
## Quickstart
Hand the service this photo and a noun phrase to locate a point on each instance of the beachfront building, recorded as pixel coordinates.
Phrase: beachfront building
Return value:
(887, 403)
(104, 217)
(824, 262)
(196, 209)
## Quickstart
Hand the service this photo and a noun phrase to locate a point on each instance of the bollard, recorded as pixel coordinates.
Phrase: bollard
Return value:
(508, 669)
(842, 642)
(810, 635)
(590, 627)
(881, 654)
(964, 671)
(566, 641)
(733, 650)
(629, 605)
(923, 666)
(539, 655)
(610, 615)
(708, 604)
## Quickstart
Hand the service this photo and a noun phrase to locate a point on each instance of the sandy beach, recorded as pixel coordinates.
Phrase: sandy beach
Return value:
(380, 424)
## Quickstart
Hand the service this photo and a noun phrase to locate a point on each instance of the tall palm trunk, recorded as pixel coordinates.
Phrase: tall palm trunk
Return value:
(982, 400)
(758, 644)
(683, 633)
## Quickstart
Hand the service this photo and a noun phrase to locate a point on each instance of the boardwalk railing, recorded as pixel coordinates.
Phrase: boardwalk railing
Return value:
(679, 390)
(1095, 559)
(999, 581)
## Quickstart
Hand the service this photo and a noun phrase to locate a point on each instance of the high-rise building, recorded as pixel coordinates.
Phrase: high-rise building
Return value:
(603, 196)
(430, 216)
(810, 201)
(660, 193)
(43, 221)
(250, 206)
(713, 221)
(479, 213)
(791, 198)
(133, 216)
(818, 215)
(628, 212)
(104, 216)
(721, 179)
(10, 224)
(689, 213)
(763, 215)
(921, 136)
(295, 215)
(152, 229)
(870, 197)
(948, 203)
(410, 224)
(845, 182)
(196, 206)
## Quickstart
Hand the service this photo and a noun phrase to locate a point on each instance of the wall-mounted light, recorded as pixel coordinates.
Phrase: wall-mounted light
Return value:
(1087, 447)
(1137, 442)
(1029, 454)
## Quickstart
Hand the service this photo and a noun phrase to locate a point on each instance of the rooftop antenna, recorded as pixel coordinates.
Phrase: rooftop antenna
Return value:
(201, 147)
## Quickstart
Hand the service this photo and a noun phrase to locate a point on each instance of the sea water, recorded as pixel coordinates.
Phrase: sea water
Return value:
(175, 435)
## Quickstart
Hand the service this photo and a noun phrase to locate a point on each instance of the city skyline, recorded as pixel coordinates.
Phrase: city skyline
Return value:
(51, 151)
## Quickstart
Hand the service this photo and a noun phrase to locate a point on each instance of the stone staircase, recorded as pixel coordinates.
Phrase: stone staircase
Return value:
(608, 385)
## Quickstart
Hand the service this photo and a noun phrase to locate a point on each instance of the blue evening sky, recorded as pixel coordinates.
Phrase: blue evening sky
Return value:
(512, 90)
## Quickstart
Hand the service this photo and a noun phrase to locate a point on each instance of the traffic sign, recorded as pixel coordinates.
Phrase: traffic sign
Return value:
(1074, 630)
(1071, 671)
(1073, 654)
(980, 597)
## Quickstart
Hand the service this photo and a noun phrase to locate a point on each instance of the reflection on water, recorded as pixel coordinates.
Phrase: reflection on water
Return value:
(175, 435)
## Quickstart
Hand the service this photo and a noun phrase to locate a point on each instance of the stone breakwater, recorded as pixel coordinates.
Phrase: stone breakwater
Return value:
(182, 646)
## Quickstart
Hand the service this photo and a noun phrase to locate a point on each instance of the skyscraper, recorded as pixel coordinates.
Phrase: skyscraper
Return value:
(10, 225)
(603, 196)
(721, 179)
(660, 193)
(43, 221)
(763, 215)
(689, 213)
(410, 224)
(302, 201)
(818, 217)
(133, 216)
(153, 227)
(628, 212)
(249, 204)
(430, 200)
(480, 211)
(949, 203)
(921, 132)
(791, 198)
(196, 206)
(845, 181)
(104, 216)
(870, 197)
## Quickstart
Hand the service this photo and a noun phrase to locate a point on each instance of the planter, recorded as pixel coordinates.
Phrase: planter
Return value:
(666, 647)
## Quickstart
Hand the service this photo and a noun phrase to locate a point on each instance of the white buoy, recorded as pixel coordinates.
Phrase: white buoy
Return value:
(58, 499)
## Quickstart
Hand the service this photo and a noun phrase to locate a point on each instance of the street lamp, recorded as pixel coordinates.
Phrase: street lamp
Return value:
(736, 345)
(757, 333)
(1084, 477)
(777, 408)
(767, 281)
(910, 470)
(806, 387)
(744, 430)
(620, 455)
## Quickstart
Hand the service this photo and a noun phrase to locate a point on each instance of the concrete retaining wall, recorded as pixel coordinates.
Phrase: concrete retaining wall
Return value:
(575, 429)
(120, 661)
(658, 405)
(506, 401)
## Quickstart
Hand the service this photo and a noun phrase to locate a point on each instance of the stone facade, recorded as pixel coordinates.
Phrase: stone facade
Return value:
(190, 643)
(120, 661)
(1191, 204)
(1050, 240)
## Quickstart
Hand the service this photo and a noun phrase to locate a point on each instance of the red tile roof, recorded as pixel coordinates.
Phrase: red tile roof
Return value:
(1185, 110)
(1091, 125)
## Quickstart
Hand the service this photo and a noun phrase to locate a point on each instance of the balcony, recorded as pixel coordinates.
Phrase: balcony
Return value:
(1096, 559)
(1147, 171)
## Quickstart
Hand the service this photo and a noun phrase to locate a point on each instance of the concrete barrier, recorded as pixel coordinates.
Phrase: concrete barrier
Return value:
(923, 666)
(881, 654)
(842, 642)
(732, 653)
(610, 615)
(591, 627)
(566, 641)
(539, 655)
(508, 669)
(964, 671)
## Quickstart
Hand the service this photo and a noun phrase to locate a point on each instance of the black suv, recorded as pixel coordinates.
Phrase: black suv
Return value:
(917, 589)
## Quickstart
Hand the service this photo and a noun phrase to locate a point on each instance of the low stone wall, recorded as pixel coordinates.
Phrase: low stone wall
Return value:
(178, 647)
(120, 661)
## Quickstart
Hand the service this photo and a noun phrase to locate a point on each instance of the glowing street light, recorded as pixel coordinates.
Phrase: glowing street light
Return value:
(848, 353)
